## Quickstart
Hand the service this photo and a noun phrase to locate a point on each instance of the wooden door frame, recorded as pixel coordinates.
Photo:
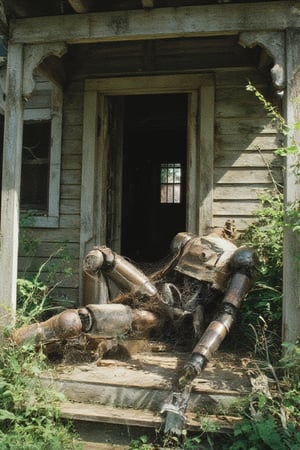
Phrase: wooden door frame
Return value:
(200, 89)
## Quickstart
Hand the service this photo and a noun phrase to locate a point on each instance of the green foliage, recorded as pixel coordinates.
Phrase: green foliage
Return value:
(140, 444)
(34, 293)
(29, 412)
(290, 362)
(29, 415)
(271, 416)
(263, 306)
(34, 290)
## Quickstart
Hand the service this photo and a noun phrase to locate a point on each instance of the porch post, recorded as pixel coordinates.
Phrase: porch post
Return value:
(11, 176)
(291, 273)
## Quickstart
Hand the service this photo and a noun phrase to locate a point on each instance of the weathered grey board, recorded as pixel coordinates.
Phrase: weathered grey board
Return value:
(134, 417)
(146, 381)
(132, 393)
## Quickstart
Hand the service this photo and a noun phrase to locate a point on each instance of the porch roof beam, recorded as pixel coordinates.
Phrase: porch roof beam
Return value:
(157, 23)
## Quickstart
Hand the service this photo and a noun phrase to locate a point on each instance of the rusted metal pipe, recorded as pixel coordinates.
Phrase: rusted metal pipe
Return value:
(124, 274)
(242, 265)
(65, 325)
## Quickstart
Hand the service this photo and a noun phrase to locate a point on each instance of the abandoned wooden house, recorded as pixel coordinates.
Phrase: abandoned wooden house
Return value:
(101, 99)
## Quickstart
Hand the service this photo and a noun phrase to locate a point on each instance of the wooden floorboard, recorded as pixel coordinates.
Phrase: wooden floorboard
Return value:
(137, 418)
(113, 402)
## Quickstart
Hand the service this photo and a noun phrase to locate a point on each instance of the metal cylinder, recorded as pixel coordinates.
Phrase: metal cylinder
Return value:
(65, 325)
(143, 321)
(239, 286)
(218, 329)
(110, 320)
(130, 279)
(214, 336)
(93, 261)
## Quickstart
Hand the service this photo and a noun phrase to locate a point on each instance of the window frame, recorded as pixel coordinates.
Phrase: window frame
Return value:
(171, 166)
(54, 114)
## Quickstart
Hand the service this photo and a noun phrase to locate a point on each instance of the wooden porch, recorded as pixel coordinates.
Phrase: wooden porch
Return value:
(113, 402)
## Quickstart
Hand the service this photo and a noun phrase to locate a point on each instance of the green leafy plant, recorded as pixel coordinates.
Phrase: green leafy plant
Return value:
(34, 290)
(29, 413)
(140, 444)
(271, 414)
(34, 293)
(263, 308)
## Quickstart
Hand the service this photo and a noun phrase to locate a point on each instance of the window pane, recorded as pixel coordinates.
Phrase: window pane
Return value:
(177, 193)
(170, 178)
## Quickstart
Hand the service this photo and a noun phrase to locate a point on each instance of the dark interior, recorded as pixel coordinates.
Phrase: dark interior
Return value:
(155, 134)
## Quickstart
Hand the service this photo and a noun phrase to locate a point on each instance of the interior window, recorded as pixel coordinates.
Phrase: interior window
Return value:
(170, 183)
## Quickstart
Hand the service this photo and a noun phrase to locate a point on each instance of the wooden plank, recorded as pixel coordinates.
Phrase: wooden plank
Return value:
(238, 207)
(73, 98)
(88, 445)
(37, 114)
(69, 221)
(90, 166)
(241, 223)
(231, 78)
(70, 206)
(58, 235)
(245, 126)
(206, 146)
(243, 192)
(134, 417)
(247, 141)
(57, 249)
(39, 99)
(72, 132)
(70, 191)
(149, 84)
(71, 177)
(243, 176)
(35, 263)
(71, 146)
(192, 166)
(3, 18)
(291, 249)
(73, 117)
(156, 23)
(11, 176)
(147, 385)
(248, 159)
(55, 152)
(71, 161)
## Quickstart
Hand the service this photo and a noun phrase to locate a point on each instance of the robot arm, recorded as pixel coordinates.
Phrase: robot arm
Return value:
(125, 275)
(107, 320)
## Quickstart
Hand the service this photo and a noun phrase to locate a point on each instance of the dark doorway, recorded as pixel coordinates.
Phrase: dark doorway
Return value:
(154, 174)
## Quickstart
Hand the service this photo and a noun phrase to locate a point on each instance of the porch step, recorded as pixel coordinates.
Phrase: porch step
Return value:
(146, 381)
(135, 418)
(118, 401)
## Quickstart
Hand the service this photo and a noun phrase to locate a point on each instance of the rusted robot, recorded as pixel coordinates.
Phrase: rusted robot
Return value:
(203, 275)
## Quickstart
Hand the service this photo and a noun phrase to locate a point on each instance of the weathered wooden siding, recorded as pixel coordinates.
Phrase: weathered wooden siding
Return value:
(61, 243)
(245, 164)
(244, 143)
